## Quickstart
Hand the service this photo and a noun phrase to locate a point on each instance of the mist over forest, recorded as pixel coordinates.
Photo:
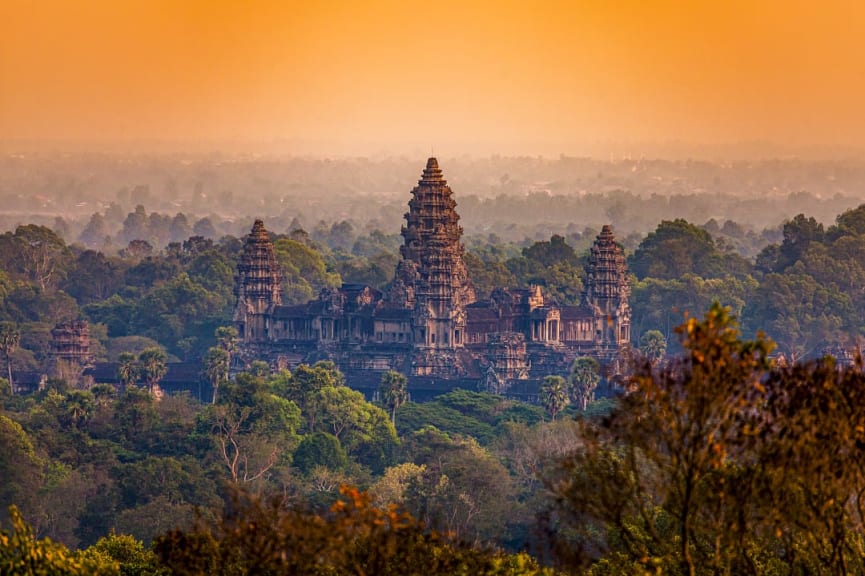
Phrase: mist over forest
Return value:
(515, 198)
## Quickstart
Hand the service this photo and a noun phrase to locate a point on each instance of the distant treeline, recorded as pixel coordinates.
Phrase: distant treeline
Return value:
(516, 198)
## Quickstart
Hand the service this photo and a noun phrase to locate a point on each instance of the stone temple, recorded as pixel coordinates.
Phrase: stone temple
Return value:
(431, 325)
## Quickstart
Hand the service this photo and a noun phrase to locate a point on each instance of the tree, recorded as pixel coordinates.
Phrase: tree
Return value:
(95, 233)
(799, 234)
(134, 559)
(584, 380)
(204, 227)
(678, 247)
(179, 229)
(320, 449)
(153, 368)
(22, 554)
(463, 488)
(554, 394)
(23, 468)
(653, 345)
(227, 338)
(662, 481)
(394, 392)
(798, 312)
(391, 487)
(96, 277)
(304, 271)
(10, 337)
(135, 227)
(305, 381)
(251, 428)
(136, 250)
(78, 407)
(128, 369)
(41, 255)
(264, 536)
(216, 368)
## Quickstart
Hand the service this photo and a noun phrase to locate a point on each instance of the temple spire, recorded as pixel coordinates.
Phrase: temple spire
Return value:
(258, 283)
(431, 277)
(432, 174)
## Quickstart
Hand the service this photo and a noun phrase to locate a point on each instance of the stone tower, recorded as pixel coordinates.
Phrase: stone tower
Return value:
(257, 286)
(70, 342)
(431, 279)
(606, 292)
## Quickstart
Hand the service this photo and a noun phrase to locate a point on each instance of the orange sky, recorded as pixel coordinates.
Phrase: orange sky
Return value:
(483, 77)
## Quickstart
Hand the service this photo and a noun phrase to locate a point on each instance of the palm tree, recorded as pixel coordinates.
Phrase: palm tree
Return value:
(585, 376)
(152, 362)
(554, 394)
(394, 391)
(10, 336)
(226, 337)
(128, 370)
(653, 345)
(216, 367)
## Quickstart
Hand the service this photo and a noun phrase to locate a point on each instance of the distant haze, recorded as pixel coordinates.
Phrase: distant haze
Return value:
(498, 77)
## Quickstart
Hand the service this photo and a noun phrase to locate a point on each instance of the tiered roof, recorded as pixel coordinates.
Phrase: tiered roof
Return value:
(606, 272)
(258, 275)
(432, 254)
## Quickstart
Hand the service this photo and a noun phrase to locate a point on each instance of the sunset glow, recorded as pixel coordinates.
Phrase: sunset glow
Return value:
(482, 77)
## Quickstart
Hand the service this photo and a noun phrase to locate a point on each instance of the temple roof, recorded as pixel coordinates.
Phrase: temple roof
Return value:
(432, 172)
(258, 275)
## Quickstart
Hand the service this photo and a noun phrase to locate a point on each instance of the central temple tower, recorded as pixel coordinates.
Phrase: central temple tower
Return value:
(257, 286)
(431, 278)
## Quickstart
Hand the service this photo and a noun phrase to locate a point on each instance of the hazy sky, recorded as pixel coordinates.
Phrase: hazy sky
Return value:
(354, 76)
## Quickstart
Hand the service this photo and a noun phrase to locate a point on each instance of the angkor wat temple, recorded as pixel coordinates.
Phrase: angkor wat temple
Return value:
(430, 324)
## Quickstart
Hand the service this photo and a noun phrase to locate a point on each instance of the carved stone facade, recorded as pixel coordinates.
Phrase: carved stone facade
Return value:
(431, 279)
(430, 325)
(70, 342)
(257, 285)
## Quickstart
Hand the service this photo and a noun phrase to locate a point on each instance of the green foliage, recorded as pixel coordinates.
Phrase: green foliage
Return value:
(585, 375)
(263, 537)
(304, 271)
(722, 464)
(653, 345)
(348, 416)
(467, 413)
(800, 312)
(414, 416)
(216, 366)
(174, 309)
(659, 304)
(21, 553)
(250, 429)
(10, 337)
(128, 553)
(23, 468)
(128, 369)
(152, 365)
(554, 394)
(463, 488)
(394, 391)
(677, 248)
(487, 275)
(480, 405)
(320, 449)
